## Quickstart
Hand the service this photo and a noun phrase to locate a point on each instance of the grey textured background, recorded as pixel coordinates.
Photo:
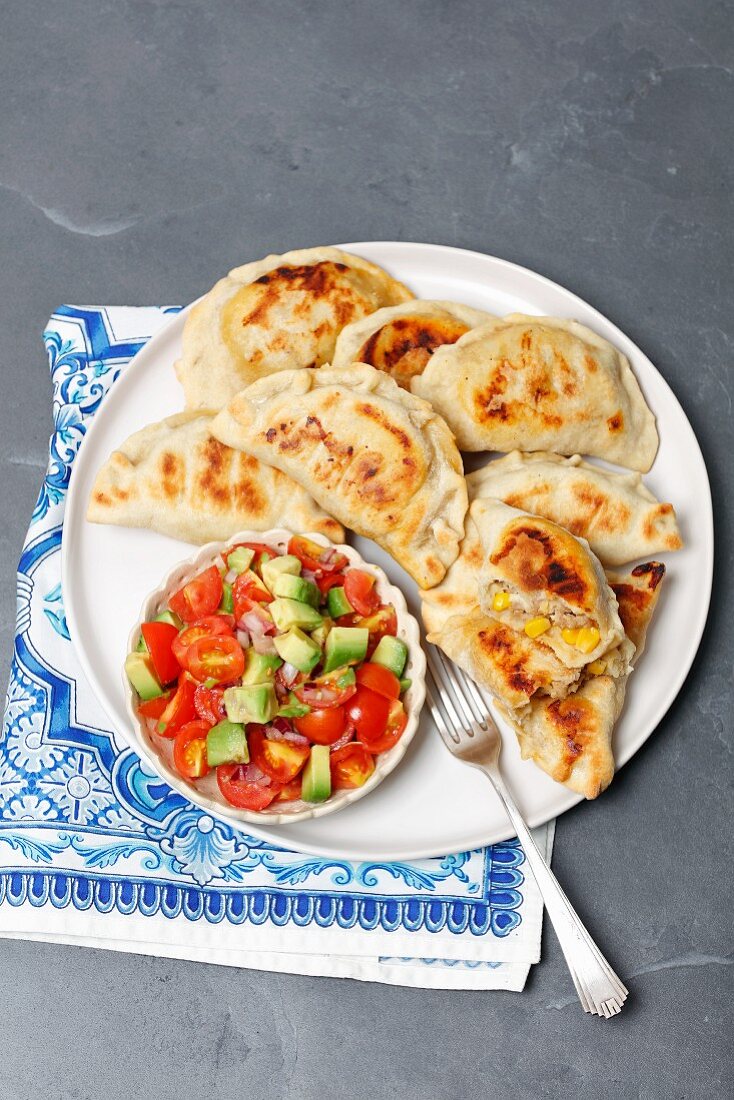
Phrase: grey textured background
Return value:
(149, 146)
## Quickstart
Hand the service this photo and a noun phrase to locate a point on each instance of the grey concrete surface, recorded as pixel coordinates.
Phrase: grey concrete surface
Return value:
(149, 146)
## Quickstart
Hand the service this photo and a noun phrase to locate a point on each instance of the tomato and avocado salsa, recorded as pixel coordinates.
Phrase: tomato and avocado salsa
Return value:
(280, 671)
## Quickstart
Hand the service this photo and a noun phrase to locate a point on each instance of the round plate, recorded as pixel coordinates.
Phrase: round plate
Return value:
(431, 804)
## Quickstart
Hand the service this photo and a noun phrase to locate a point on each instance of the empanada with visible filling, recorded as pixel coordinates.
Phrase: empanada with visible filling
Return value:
(276, 314)
(571, 739)
(401, 339)
(539, 578)
(376, 457)
(174, 478)
(616, 514)
(540, 384)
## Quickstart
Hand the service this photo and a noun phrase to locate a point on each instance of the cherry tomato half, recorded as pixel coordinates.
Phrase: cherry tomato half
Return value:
(189, 750)
(203, 628)
(242, 786)
(200, 596)
(397, 720)
(216, 658)
(291, 791)
(209, 704)
(159, 638)
(180, 708)
(380, 679)
(323, 727)
(326, 691)
(281, 760)
(154, 707)
(329, 580)
(381, 622)
(351, 766)
(359, 588)
(368, 712)
(246, 591)
(319, 559)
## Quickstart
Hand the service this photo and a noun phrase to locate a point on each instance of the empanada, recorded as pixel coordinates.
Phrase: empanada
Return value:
(174, 478)
(540, 383)
(375, 456)
(616, 514)
(570, 739)
(401, 339)
(276, 314)
(538, 578)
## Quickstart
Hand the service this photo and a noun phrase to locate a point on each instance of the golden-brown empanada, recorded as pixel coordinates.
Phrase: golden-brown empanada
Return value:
(377, 457)
(540, 384)
(616, 514)
(401, 339)
(174, 478)
(276, 314)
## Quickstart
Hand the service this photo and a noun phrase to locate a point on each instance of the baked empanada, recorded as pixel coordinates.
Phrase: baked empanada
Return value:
(375, 456)
(276, 314)
(401, 339)
(537, 384)
(571, 739)
(539, 578)
(616, 514)
(174, 478)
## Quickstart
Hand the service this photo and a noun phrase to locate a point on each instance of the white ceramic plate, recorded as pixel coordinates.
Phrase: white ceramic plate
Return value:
(431, 804)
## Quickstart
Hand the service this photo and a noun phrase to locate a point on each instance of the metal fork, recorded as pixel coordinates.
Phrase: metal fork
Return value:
(469, 732)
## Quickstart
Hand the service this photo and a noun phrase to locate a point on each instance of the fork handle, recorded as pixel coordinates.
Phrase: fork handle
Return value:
(600, 990)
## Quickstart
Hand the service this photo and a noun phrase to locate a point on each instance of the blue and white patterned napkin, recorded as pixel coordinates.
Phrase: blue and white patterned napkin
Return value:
(95, 850)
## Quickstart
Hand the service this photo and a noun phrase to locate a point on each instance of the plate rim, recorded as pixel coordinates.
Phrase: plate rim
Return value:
(570, 798)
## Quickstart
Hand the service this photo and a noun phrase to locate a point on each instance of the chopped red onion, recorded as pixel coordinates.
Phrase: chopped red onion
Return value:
(327, 554)
(280, 733)
(345, 738)
(261, 643)
(231, 576)
(243, 638)
(252, 774)
(251, 621)
(289, 673)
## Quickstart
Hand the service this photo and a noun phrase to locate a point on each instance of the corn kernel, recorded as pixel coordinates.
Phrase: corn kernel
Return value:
(588, 639)
(596, 668)
(535, 627)
(569, 636)
(500, 601)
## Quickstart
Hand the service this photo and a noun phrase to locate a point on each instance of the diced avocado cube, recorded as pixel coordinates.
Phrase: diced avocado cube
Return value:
(316, 785)
(298, 649)
(277, 567)
(141, 647)
(346, 678)
(251, 703)
(169, 616)
(296, 588)
(391, 653)
(227, 604)
(294, 708)
(139, 670)
(345, 645)
(321, 633)
(226, 743)
(405, 683)
(338, 603)
(287, 613)
(260, 667)
(240, 559)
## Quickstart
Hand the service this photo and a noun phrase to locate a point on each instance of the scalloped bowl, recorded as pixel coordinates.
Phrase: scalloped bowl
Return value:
(158, 752)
